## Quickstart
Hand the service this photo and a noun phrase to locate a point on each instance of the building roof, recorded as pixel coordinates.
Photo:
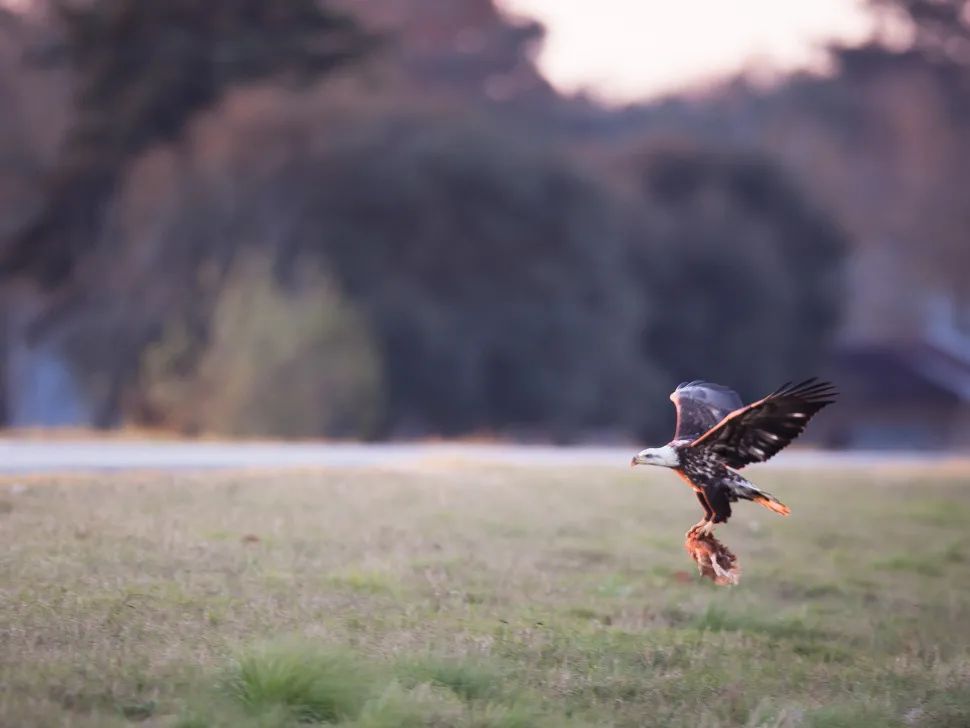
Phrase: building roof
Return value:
(922, 372)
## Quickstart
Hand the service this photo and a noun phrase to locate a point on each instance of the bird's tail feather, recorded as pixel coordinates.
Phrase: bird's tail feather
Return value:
(749, 492)
(771, 503)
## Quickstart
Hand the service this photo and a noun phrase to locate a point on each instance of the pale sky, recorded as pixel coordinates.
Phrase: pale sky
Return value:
(631, 49)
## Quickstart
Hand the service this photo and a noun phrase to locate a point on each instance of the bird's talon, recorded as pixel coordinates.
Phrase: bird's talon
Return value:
(698, 529)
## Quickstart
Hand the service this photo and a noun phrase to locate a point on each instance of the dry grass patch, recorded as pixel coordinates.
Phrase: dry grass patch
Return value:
(480, 597)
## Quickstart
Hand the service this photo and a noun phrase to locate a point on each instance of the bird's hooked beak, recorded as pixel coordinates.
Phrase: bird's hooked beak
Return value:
(656, 456)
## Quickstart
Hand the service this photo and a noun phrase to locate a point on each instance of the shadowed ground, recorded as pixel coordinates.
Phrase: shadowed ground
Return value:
(494, 596)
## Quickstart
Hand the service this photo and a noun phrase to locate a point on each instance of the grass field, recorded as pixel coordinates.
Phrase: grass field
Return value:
(460, 596)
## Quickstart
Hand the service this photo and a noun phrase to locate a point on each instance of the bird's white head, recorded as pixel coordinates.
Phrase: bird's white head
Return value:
(665, 456)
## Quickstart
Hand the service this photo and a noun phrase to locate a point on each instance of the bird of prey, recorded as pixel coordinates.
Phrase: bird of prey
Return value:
(716, 436)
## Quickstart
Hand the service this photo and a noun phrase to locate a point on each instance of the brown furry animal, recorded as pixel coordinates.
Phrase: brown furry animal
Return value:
(714, 559)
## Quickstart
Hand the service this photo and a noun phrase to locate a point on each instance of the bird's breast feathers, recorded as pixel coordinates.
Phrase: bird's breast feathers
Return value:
(700, 468)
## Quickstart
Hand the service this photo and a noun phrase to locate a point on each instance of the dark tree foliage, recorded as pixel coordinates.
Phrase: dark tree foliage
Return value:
(467, 48)
(941, 27)
(492, 269)
(502, 275)
(508, 286)
(143, 70)
(753, 271)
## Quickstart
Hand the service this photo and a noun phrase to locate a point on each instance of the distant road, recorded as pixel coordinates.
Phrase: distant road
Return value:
(24, 456)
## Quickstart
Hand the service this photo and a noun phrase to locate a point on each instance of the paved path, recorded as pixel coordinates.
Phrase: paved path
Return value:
(76, 455)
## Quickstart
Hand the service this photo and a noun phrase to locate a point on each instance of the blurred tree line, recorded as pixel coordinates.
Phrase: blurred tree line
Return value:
(376, 219)
(882, 142)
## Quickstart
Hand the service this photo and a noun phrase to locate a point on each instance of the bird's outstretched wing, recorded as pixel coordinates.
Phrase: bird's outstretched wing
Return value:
(755, 433)
(701, 405)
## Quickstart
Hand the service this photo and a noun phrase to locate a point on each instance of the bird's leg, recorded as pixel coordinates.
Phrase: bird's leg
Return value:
(703, 523)
(708, 528)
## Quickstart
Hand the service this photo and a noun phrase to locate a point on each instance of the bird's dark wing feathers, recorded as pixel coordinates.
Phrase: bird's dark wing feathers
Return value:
(701, 405)
(755, 433)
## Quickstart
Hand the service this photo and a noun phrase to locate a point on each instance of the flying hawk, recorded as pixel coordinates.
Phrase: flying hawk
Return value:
(716, 436)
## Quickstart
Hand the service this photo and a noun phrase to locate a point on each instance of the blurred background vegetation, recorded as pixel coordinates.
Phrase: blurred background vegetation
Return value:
(376, 218)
